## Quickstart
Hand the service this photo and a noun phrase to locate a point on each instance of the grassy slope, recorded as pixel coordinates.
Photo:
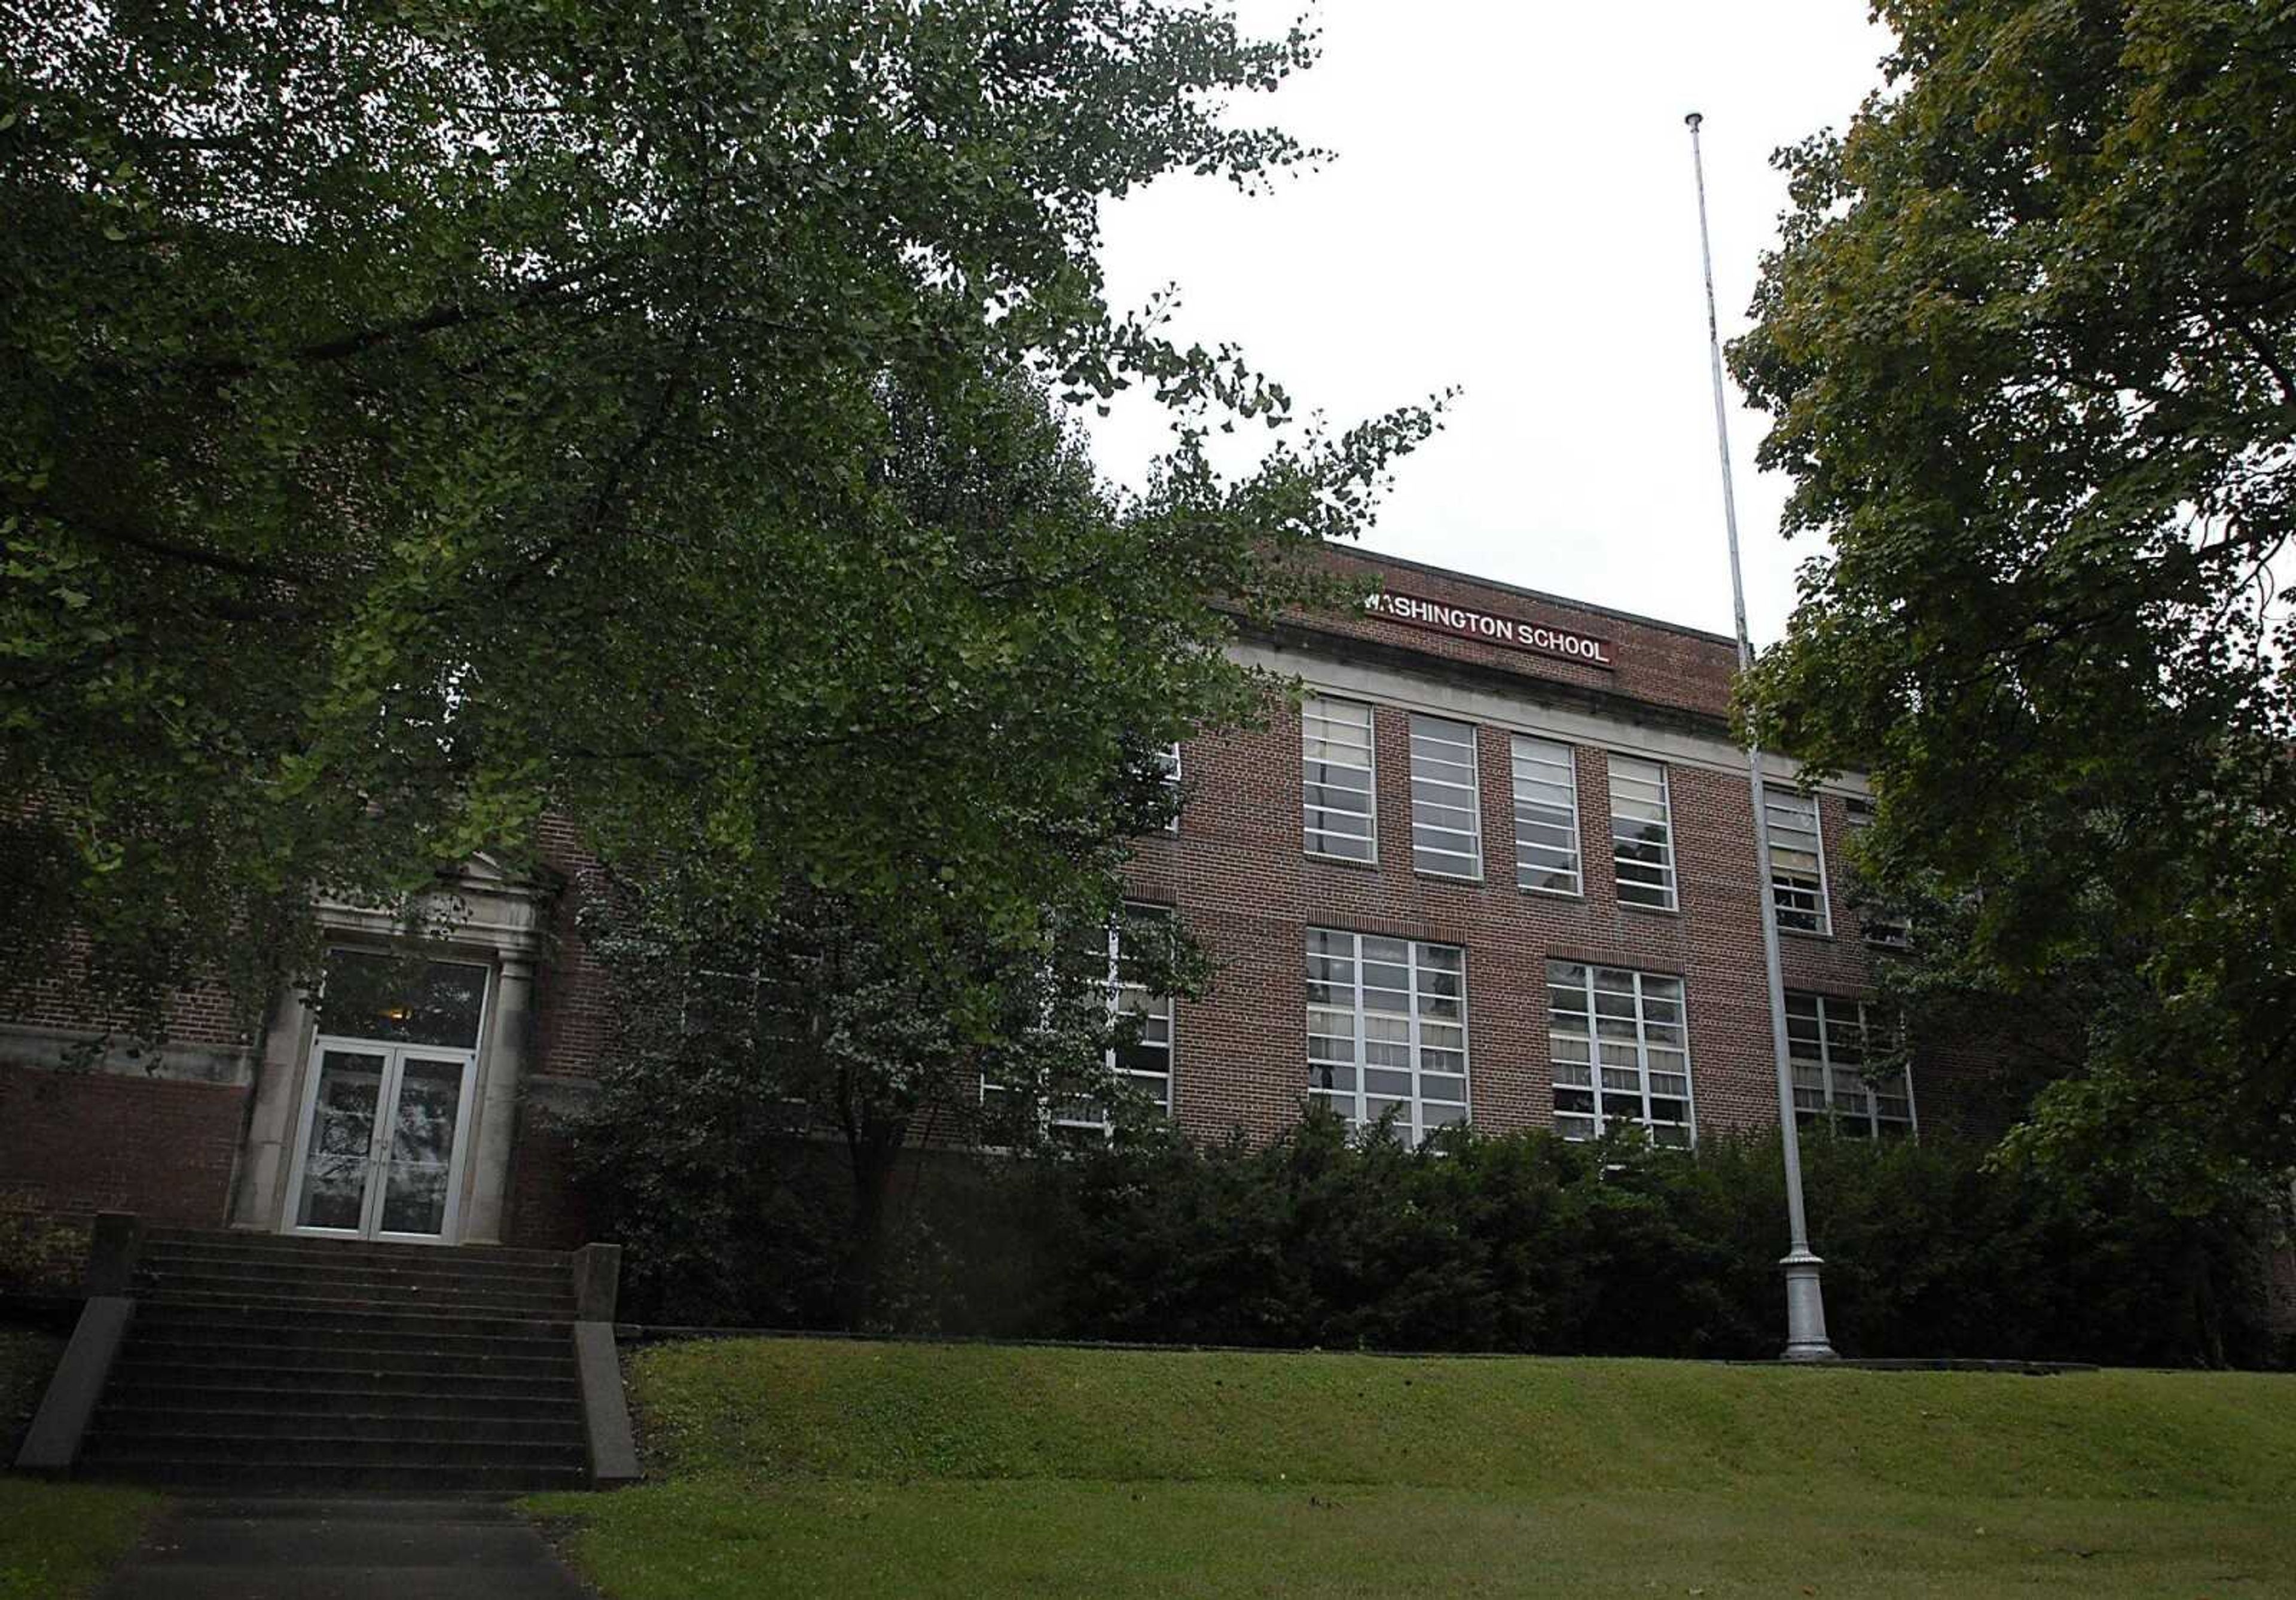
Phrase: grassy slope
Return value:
(801, 1467)
(56, 1540)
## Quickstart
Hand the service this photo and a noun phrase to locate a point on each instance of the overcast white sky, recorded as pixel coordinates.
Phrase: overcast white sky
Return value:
(1511, 210)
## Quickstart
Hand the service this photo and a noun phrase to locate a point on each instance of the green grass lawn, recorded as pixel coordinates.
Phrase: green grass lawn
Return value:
(56, 1540)
(828, 1468)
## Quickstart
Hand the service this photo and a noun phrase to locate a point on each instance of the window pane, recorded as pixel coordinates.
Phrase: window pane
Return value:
(1445, 805)
(1403, 1003)
(1797, 861)
(1642, 833)
(370, 995)
(1545, 816)
(1336, 763)
(1832, 1043)
(1612, 1016)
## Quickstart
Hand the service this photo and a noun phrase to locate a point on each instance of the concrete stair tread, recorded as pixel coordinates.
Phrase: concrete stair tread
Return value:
(304, 1476)
(261, 1361)
(151, 1425)
(316, 1302)
(234, 1448)
(167, 1275)
(406, 1353)
(344, 1384)
(157, 1240)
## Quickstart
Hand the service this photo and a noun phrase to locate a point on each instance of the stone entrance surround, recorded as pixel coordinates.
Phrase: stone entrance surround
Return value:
(489, 918)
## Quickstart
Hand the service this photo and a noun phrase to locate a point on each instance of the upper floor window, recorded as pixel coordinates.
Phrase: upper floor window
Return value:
(1169, 758)
(1447, 833)
(1642, 833)
(1387, 1029)
(1545, 816)
(1335, 748)
(1797, 861)
(1881, 927)
(1621, 1050)
(1833, 1044)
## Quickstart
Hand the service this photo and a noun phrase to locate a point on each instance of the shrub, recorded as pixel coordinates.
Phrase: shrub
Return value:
(1516, 1241)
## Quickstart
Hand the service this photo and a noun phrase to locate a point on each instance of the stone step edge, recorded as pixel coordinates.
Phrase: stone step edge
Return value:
(303, 1244)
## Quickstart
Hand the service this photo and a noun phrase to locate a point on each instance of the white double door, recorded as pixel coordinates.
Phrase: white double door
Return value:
(384, 1132)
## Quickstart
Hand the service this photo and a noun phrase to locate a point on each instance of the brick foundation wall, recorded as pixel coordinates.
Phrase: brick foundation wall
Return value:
(543, 1210)
(73, 1143)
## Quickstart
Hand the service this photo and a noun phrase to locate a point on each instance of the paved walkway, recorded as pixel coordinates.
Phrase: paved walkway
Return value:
(376, 1548)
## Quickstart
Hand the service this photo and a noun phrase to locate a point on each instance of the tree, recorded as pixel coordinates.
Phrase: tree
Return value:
(746, 1038)
(2030, 345)
(902, 1013)
(414, 419)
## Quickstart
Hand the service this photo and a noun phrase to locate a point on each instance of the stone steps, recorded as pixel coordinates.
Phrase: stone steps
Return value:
(263, 1362)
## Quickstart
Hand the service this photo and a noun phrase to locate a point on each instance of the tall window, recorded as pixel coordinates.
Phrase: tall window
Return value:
(1387, 1029)
(1446, 831)
(1169, 758)
(1642, 833)
(1881, 926)
(1797, 861)
(1621, 1050)
(1545, 816)
(1143, 1062)
(1335, 748)
(1832, 1044)
(1147, 1061)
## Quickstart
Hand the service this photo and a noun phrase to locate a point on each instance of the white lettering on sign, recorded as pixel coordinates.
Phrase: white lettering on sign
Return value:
(1496, 630)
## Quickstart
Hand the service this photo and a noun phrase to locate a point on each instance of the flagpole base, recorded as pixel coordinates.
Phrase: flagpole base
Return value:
(1806, 1338)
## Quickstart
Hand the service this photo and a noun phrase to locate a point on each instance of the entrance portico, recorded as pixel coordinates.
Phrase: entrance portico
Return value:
(385, 1106)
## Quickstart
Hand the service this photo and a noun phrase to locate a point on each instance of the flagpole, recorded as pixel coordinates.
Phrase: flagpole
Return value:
(1806, 1338)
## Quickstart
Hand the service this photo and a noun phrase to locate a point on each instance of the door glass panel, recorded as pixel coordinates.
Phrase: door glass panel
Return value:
(342, 1129)
(370, 995)
(422, 1146)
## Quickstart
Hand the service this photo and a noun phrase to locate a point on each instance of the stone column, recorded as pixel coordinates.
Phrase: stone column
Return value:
(505, 1066)
(261, 1200)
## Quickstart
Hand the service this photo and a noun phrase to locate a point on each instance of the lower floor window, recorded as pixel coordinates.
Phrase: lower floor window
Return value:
(1842, 1069)
(1387, 1029)
(1621, 1051)
(1142, 1058)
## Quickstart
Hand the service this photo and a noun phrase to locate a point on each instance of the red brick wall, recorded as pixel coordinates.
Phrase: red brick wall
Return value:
(570, 994)
(73, 1143)
(61, 998)
(1238, 874)
(543, 1211)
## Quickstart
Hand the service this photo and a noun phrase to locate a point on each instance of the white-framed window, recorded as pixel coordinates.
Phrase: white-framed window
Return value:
(1387, 1029)
(1832, 1044)
(1169, 758)
(1143, 1062)
(1621, 1048)
(1546, 857)
(1642, 833)
(1880, 927)
(1146, 1063)
(1336, 756)
(1797, 861)
(1447, 827)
